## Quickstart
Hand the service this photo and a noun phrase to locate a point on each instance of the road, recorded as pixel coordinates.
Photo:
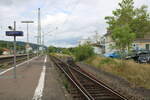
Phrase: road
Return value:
(35, 81)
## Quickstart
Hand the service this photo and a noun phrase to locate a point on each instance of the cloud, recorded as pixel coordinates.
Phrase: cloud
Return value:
(74, 19)
(6, 2)
(54, 19)
(68, 42)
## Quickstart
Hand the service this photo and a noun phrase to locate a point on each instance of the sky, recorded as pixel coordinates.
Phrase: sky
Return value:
(64, 22)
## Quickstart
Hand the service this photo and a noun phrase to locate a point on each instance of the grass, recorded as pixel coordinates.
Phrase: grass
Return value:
(2, 66)
(137, 74)
(66, 84)
(60, 55)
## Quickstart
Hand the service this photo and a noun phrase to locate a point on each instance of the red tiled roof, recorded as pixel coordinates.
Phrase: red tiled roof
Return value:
(5, 49)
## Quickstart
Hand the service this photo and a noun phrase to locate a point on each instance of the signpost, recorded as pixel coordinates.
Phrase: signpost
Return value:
(14, 33)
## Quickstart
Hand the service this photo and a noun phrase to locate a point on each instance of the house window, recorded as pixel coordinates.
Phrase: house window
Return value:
(147, 46)
(136, 47)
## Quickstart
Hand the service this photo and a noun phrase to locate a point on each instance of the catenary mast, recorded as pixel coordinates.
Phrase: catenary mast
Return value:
(39, 28)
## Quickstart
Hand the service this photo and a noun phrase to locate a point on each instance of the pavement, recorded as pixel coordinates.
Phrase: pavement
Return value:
(34, 81)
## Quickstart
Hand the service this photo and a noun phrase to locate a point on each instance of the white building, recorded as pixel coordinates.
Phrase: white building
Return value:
(97, 41)
(108, 43)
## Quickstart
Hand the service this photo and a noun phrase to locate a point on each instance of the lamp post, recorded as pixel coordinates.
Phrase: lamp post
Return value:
(27, 22)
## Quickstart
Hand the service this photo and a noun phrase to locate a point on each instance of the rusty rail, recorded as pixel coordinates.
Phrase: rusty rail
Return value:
(88, 85)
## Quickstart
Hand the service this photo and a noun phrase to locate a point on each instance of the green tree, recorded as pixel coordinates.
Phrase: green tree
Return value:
(128, 23)
(66, 51)
(123, 15)
(83, 52)
(1, 51)
(141, 22)
(123, 37)
(52, 49)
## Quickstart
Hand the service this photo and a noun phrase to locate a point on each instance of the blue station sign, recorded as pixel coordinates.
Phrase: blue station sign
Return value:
(14, 33)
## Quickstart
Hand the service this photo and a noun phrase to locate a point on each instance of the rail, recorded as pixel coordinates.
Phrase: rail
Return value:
(88, 85)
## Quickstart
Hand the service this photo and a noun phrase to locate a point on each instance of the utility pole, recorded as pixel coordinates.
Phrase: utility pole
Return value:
(43, 44)
(14, 51)
(39, 28)
(14, 33)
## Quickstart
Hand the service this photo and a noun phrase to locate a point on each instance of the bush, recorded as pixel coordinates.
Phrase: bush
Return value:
(83, 52)
(52, 49)
(107, 61)
(1, 51)
(66, 51)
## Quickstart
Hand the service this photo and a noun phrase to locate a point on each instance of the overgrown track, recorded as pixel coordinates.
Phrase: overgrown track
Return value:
(5, 61)
(88, 86)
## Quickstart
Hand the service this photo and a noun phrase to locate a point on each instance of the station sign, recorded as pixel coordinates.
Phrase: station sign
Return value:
(14, 33)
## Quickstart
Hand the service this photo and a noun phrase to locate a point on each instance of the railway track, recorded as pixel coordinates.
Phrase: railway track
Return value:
(5, 61)
(85, 86)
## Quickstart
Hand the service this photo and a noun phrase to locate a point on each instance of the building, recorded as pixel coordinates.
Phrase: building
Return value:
(141, 44)
(85, 40)
(96, 41)
(6, 51)
(108, 43)
(138, 44)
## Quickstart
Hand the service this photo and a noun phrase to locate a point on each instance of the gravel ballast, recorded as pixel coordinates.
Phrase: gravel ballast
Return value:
(118, 83)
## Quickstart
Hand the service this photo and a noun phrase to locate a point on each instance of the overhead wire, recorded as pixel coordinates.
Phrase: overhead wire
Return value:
(68, 15)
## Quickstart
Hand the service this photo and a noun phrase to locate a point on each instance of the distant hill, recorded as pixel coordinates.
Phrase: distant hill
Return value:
(9, 44)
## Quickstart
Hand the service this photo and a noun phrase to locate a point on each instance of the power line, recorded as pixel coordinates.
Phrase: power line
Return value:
(69, 14)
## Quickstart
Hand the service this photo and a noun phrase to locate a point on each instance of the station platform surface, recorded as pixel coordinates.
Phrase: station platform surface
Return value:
(34, 81)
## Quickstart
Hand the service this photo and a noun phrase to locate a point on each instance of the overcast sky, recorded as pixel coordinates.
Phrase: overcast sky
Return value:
(75, 19)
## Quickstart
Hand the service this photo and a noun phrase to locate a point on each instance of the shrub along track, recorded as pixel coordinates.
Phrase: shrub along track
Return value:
(85, 86)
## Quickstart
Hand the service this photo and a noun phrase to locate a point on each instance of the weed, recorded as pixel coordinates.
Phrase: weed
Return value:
(138, 74)
(66, 84)
(107, 61)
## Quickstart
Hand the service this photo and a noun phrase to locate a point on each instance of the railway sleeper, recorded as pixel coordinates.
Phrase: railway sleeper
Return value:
(98, 91)
(107, 98)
